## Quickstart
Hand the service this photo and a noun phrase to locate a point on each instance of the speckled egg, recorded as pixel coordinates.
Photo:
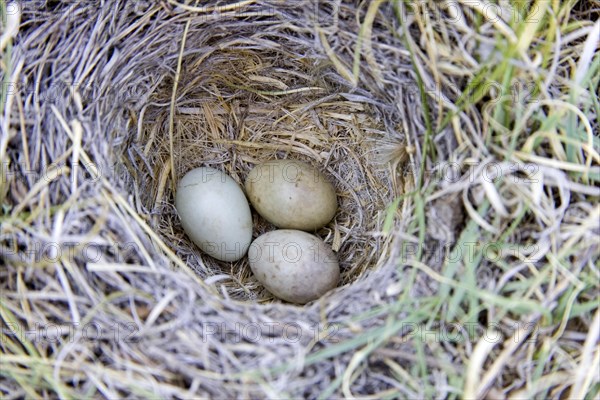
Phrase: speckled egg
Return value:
(293, 265)
(214, 213)
(291, 194)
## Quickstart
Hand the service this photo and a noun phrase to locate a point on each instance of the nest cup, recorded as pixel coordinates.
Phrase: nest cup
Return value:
(243, 98)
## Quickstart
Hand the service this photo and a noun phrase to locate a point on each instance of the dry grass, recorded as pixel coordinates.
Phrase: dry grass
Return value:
(242, 128)
(462, 141)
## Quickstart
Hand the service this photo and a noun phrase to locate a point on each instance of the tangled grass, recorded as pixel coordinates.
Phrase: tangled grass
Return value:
(462, 138)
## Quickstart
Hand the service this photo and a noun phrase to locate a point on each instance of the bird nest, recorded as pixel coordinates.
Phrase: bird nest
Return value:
(108, 107)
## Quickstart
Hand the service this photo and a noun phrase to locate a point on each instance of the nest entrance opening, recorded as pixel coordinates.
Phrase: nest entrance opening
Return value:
(236, 108)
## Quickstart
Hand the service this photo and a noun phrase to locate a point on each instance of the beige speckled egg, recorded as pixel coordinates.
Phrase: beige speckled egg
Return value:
(214, 213)
(293, 265)
(291, 194)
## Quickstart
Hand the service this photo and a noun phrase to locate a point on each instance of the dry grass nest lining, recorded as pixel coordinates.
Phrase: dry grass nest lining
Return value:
(227, 117)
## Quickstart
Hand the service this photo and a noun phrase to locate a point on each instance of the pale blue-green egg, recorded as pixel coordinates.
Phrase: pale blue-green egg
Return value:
(214, 213)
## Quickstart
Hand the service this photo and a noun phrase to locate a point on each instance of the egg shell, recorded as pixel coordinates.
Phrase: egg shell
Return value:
(214, 213)
(291, 194)
(294, 265)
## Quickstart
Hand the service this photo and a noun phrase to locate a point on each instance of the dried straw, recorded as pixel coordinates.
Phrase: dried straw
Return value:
(103, 295)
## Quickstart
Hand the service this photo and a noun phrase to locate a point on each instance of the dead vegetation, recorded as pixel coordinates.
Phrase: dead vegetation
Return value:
(462, 141)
